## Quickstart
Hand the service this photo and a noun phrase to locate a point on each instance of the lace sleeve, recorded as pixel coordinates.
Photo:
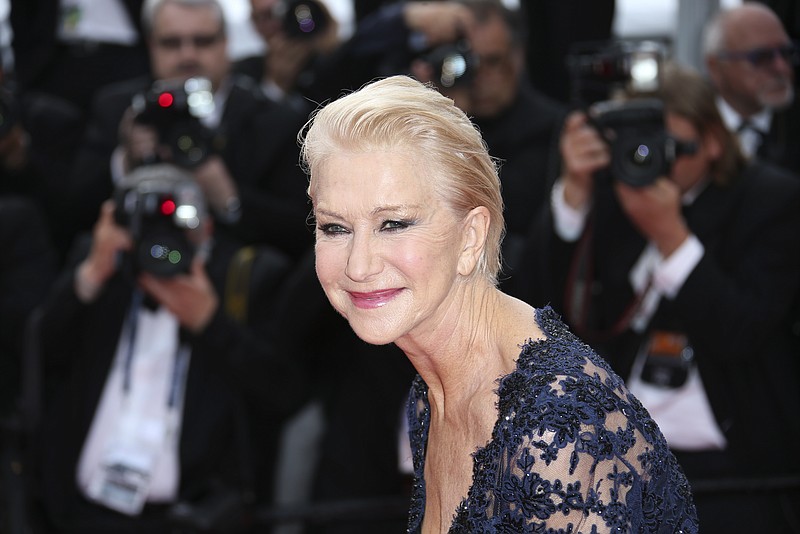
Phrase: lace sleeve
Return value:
(572, 451)
(576, 465)
(571, 458)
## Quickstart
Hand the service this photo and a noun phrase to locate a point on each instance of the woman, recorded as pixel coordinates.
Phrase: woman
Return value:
(515, 425)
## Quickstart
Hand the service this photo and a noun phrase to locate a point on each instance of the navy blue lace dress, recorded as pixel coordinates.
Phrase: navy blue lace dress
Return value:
(572, 451)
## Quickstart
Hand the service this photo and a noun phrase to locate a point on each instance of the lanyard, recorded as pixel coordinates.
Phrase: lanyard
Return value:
(180, 363)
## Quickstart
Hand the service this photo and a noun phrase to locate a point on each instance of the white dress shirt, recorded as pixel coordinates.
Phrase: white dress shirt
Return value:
(750, 131)
(101, 21)
(683, 414)
(139, 423)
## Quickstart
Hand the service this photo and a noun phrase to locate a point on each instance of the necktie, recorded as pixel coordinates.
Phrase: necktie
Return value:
(750, 137)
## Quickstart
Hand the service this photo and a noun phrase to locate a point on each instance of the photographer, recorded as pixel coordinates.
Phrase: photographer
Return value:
(149, 381)
(297, 34)
(684, 283)
(248, 164)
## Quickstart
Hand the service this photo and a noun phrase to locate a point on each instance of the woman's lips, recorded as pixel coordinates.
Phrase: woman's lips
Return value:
(372, 299)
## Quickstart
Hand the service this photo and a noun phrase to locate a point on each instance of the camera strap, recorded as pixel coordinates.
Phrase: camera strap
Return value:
(180, 365)
(131, 451)
(578, 292)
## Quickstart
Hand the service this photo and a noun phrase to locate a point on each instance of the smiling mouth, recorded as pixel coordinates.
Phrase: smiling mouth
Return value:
(372, 299)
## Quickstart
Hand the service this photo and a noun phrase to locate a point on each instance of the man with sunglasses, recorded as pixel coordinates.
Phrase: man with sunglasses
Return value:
(684, 283)
(751, 61)
(248, 169)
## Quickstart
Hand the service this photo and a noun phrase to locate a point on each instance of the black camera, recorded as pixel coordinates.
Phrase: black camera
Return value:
(175, 109)
(161, 205)
(641, 149)
(301, 19)
(620, 80)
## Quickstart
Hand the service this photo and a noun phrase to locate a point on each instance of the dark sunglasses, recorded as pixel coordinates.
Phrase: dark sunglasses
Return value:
(682, 147)
(199, 41)
(763, 57)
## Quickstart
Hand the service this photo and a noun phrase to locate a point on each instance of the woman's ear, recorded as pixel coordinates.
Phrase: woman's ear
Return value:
(476, 228)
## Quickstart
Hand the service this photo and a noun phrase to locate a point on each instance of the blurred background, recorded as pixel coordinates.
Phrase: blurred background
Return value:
(633, 19)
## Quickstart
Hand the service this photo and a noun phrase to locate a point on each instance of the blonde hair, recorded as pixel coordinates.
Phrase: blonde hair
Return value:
(401, 114)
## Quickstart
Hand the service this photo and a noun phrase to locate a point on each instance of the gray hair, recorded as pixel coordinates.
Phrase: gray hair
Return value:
(713, 35)
(150, 10)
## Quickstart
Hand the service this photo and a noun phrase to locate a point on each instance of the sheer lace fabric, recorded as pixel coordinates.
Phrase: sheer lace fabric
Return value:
(572, 451)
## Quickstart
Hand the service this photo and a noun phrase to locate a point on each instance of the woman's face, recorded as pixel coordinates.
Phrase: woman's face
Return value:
(387, 248)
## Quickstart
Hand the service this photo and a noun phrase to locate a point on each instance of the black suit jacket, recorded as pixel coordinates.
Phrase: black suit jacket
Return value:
(239, 385)
(42, 63)
(27, 269)
(259, 148)
(734, 306)
(35, 26)
(779, 145)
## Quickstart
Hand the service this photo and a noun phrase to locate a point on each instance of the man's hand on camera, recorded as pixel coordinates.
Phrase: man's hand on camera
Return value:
(655, 210)
(108, 240)
(190, 297)
(583, 152)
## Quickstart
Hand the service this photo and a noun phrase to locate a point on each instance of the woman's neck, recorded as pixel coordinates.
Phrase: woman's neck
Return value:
(462, 355)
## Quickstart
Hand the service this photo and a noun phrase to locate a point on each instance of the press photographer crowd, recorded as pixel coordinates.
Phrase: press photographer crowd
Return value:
(170, 362)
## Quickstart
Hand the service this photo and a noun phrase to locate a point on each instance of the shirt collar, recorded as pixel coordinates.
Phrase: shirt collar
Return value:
(760, 121)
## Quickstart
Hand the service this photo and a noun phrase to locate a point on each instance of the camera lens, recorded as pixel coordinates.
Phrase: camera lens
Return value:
(641, 156)
(638, 162)
(190, 143)
(164, 252)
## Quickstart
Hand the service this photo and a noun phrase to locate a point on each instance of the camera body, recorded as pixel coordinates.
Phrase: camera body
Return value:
(605, 70)
(618, 81)
(641, 150)
(301, 19)
(175, 109)
(162, 206)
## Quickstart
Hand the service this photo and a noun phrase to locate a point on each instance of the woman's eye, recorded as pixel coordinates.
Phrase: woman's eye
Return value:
(332, 229)
(395, 225)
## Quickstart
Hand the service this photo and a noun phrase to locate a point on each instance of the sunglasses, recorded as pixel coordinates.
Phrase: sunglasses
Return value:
(763, 57)
(199, 41)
